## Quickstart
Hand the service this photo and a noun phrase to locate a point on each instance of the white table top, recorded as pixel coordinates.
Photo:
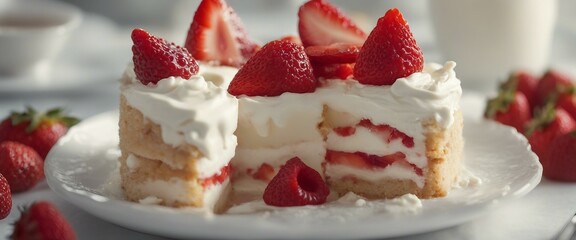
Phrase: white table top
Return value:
(538, 215)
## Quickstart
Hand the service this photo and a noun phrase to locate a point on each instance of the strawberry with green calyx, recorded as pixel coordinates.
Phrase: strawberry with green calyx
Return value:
(42, 220)
(567, 100)
(560, 158)
(5, 198)
(547, 124)
(549, 85)
(509, 107)
(526, 83)
(39, 130)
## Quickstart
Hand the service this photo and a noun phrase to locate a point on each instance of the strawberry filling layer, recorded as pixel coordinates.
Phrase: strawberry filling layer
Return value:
(217, 178)
(371, 162)
(264, 173)
(388, 133)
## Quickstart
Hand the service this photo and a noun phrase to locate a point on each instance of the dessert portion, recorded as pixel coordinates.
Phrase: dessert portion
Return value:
(278, 115)
(176, 128)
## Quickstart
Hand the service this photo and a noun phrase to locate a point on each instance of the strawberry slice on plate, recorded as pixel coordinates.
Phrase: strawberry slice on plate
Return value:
(217, 35)
(321, 23)
(389, 53)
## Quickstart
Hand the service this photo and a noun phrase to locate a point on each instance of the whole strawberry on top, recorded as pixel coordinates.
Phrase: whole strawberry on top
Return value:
(42, 220)
(560, 158)
(39, 130)
(279, 67)
(155, 59)
(20, 165)
(510, 107)
(389, 53)
(5, 198)
(216, 34)
(321, 23)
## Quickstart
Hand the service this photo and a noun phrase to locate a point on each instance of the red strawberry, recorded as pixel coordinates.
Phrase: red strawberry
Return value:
(335, 53)
(560, 161)
(363, 160)
(37, 130)
(388, 133)
(567, 101)
(321, 23)
(5, 198)
(526, 83)
(279, 67)
(20, 165)
(293, 39)
(389, 53)
(509, 107)
(348, 159)
(265, 172)
(548, 124)
(333, 71)
(217, 34)
(155, 59)
(550, 84)
(296, 185)
(42, 220)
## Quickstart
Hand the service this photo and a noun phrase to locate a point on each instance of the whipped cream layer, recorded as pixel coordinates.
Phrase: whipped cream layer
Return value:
(391, 172)
(271, 122)
(189, 111)
(175, 190)
(433, 94)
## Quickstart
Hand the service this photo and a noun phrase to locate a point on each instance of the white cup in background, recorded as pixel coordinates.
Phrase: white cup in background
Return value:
(490, 38)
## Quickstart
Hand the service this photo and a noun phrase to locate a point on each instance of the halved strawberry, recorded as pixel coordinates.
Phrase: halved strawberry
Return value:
(292, 38)
(321, 23)
(345, 158)
(334, 53)
(296, 185)
(279, 67)
(216, 34)
(155, 59)
(389, 53)
(333, 71)
(388, 133)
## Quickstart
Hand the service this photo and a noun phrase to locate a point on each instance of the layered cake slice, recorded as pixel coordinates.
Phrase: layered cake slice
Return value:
(176, 128)
(395, 127)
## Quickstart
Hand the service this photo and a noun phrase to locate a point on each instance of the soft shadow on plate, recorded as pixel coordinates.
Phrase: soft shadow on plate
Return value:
(82, 168)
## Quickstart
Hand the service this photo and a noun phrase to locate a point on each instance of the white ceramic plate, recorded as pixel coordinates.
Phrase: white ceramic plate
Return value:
(82, 167)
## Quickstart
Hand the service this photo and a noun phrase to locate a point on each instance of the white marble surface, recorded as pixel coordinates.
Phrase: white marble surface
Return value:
(539, 215)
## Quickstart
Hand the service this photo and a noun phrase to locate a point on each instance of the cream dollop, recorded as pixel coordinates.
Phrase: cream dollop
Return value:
(189, 111)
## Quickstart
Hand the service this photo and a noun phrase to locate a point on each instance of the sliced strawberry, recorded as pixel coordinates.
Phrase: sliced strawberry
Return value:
(333, 71)
(388, 133)
(334, 53)
(296, 185)
(321, 23)
(550, 84)
(389, 53)
(155, 59)
(5, 198)
(548, 123)
(345, 131)
(217, 35)
(217, 178)
(279, 67)
(265, 172)
(345, 158)
(292, 38)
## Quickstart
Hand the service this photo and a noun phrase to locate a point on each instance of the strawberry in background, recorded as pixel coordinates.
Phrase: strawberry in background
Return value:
(42, 220)
(549, 86)
(560, 158)
(510, 107)
(38, 130)
(5, 198)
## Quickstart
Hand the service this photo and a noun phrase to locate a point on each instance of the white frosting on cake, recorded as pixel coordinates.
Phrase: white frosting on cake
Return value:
(190, 111)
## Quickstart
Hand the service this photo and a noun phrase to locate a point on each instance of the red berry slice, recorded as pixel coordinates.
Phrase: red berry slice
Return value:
(389, 53)
(216, 34)
(296, 185)
(155, 59)
(217, 178)
(333, 71)
(279, 67)
(363, 160)
(321, 23)
(335, 53)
